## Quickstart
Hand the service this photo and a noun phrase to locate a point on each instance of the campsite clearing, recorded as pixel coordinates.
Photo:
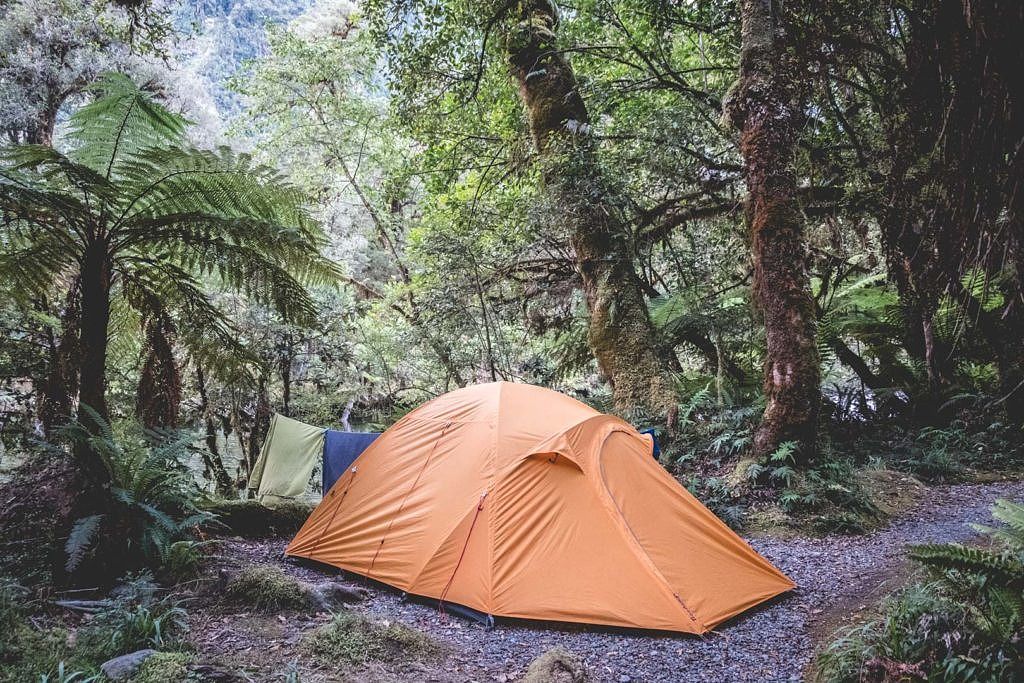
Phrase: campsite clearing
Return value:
(838, 577)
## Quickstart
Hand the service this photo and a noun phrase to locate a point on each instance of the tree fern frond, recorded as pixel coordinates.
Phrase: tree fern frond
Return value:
(122, 120)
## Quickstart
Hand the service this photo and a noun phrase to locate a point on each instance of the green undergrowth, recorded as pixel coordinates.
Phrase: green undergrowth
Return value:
(963, 621)
(863, 474)
(47, 648)
(267, 588)
(165, 667)
(354, 639)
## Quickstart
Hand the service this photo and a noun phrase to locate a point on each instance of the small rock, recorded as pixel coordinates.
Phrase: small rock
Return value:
(124, 667)
(331, 594)
(624, 679)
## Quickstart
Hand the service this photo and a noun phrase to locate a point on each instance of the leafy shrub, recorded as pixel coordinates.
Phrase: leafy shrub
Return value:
(354, 639)
(267, 588)
(154, 492)
(965, 625)
(135, 619)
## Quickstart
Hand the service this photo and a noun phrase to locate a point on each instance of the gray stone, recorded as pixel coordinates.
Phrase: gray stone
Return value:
(329, 595)
(124, 667)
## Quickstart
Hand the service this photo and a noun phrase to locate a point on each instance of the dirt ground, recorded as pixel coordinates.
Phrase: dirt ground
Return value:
(838, 577)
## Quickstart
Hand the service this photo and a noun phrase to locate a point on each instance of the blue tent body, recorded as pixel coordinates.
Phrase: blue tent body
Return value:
(340, 450)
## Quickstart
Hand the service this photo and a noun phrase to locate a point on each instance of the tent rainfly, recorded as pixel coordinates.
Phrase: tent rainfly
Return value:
(518, 501)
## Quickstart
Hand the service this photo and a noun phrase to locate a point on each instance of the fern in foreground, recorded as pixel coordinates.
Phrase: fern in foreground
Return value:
(155, 499)
(967, 624)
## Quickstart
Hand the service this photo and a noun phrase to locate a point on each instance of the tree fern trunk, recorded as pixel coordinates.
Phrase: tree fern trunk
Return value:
(765, 107)
(159, 390)
(620, 333)
(95, 282)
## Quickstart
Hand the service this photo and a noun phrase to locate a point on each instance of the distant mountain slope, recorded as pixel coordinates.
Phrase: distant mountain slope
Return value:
(227, 32)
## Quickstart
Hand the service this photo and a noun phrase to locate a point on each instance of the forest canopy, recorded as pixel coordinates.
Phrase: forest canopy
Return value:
(628, 201)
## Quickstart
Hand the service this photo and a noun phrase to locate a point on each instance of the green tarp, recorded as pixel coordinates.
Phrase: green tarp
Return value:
(291, 451)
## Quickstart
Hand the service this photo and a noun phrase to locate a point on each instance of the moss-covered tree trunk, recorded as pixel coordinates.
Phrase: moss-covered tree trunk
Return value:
(620, 333)
(765, 108)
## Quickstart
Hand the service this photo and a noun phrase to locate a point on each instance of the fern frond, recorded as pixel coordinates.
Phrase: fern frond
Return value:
(1012, 515)
(969, 559)
(122, 120)
(83, 532)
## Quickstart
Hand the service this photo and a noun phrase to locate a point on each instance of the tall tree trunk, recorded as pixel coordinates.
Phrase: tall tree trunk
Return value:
(96, 281)
(159, 390)
(211, 456)
(260, 423)
(765, 107)
(620, 333)
(61, 388)
(284, 365)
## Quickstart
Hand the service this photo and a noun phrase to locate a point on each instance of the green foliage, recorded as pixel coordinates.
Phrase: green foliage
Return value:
(266, 588)
(352, 638)
(132, 619)
(965, 625)
(156, 497)
(12, 605)
(182, 560)
(62, 675)
(135, 619)
(164, 667)
(28, 652)
(719, 497)
(828, 493)
(172, 220)
(877, 649)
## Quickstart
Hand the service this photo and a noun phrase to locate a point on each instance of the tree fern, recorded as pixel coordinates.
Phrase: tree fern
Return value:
(152, 492)
(174, 224)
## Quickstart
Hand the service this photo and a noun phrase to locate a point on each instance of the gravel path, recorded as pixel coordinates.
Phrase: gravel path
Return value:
(836, 576)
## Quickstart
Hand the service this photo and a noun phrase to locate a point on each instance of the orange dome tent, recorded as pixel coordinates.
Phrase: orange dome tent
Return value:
(519, 501)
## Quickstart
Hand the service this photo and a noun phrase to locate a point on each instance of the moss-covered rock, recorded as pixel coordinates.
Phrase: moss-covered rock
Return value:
(249, 519)
(353, 639)
(267, 588)
(164, 667)
(557, 665)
